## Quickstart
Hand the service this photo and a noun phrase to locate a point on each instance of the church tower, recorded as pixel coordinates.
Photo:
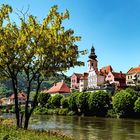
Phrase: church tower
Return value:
(92, 69)
(92, 62)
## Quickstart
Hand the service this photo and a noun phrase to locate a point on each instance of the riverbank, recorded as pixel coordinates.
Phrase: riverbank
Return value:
(8, 131)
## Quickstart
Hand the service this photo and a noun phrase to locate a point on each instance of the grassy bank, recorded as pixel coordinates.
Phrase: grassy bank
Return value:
(9, 132)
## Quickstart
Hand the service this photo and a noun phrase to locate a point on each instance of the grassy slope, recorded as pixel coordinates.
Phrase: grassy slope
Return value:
(9, 132)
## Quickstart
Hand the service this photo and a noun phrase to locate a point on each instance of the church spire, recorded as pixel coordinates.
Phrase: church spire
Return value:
(92, 53)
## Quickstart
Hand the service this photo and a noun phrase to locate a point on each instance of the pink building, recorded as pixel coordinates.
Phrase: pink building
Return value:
(119, 79)
(75, 81)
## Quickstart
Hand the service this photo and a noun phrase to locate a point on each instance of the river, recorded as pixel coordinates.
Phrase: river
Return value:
(90, 128)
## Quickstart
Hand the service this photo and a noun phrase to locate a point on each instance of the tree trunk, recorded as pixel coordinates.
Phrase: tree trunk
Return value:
(26, 122)
(28, 115)
(14, 83)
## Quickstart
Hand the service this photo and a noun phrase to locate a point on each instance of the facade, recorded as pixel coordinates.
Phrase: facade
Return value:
(119, 79)
(83, 82)
(133, 76)
(59, 88)
(75, 81)
(22, 97)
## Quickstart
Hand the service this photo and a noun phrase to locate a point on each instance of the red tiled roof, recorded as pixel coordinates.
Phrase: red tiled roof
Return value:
(84, 76)
(119, 75)
(133, 70)
(106, 69)
(59, 87)
(20, 95)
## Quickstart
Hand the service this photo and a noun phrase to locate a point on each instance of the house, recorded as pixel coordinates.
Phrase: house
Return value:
(83, 82)
(59, 88)
(22, 97)
(75, 81)
(119, 79)
(105, 70)
(4, 101)
(133, 76)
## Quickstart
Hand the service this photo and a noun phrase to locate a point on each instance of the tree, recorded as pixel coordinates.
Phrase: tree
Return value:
(73, 104)
(56, 100)
(123, 103)
(99, 102)
(43, 98)
(64, 102)
(83, 102)
(36, 49)
(137, 105)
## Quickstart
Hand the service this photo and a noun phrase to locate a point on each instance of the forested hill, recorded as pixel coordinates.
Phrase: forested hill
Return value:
(6, 86)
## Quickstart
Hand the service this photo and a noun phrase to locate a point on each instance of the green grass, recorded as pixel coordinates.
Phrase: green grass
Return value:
(9, 132)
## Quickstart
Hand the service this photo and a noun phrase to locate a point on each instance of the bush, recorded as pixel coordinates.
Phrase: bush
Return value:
(56, 100)
(63, 111)
(41, 111)
(137, 105)
(135, 94)
(64, 102)
(43, 98)
(71, 113)
(123, 103)
(73, 105)
(99, 102)
(83, 102)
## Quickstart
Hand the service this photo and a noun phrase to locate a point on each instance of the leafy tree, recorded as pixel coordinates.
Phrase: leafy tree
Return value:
(137, 105)
(73, 104)
(83, 102)
(43, 98)
(64, 102)
(37, 49)
(135, 94)
(123, 103)
(56, 100)
(99, 102)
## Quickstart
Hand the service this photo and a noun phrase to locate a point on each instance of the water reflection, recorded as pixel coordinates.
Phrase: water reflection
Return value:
(90, 128)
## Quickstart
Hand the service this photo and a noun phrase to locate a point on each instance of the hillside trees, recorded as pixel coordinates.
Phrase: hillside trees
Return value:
(36, 49)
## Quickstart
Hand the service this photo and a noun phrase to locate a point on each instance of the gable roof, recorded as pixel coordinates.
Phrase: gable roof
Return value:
(119, 75)
(134, 70)
(21, 95)
(106, 69)
(59, 87)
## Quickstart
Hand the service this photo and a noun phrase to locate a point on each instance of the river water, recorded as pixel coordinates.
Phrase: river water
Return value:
(90, 128)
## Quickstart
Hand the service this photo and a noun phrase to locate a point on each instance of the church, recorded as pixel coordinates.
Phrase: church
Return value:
(93, 78)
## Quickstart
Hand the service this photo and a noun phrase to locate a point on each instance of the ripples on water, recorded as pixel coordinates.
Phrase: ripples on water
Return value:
(90, 128)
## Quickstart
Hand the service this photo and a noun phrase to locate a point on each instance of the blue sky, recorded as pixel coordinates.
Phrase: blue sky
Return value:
(112, 26)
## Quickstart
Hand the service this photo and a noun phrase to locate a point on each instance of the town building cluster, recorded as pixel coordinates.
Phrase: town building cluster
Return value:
(96, 78)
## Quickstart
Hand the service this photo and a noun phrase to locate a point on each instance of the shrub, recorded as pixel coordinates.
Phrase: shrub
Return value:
(64, 102)
(83, 102)
(63, 111)
(73, 102)
(123, 103)
(71, 113)
(56, 100)
(135, 94)
(99, 102)
(43, 98)
(137, 105)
